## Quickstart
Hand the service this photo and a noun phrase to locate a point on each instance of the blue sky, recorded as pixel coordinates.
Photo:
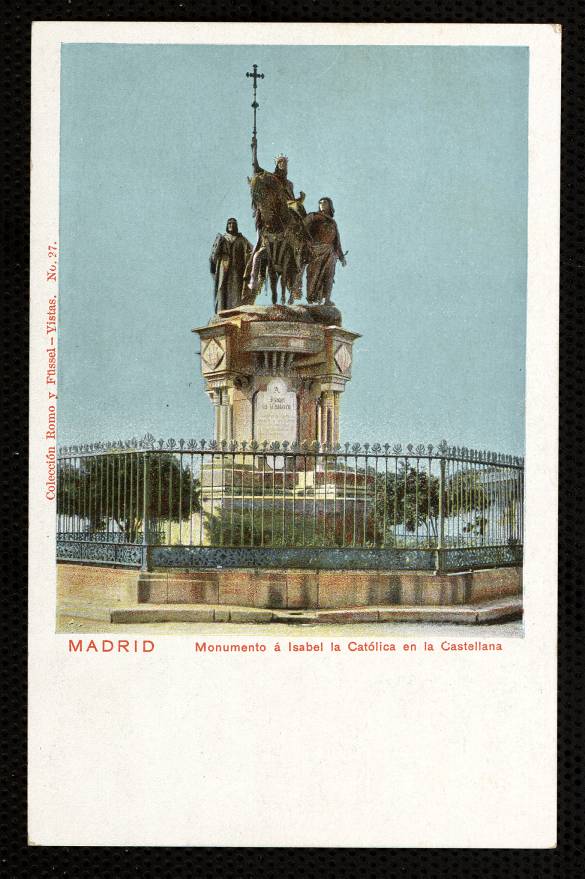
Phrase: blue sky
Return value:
(424, 152)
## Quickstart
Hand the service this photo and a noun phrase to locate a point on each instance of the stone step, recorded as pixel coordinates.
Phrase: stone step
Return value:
(487, 612)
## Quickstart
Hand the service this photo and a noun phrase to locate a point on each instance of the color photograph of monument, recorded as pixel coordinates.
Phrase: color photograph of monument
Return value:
(271, 348)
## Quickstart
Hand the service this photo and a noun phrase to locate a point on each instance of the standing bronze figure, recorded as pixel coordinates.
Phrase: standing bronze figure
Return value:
(227, 263)
(326, 251)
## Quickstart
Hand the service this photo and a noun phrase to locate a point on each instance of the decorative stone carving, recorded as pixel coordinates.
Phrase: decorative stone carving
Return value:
(212, 355)
(343, 358)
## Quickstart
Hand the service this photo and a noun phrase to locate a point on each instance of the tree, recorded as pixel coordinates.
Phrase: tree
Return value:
(98, 492)
(408, 497)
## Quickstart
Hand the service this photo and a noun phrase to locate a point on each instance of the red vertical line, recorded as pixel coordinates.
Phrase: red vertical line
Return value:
(191, 485)
(283, 499)
(365, 500)
(233, 495)
(252, 504)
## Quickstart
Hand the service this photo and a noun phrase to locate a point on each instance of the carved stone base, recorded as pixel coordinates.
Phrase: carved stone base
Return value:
(276, 373)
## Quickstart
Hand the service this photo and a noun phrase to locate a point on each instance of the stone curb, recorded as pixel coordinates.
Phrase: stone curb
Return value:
(488, 612)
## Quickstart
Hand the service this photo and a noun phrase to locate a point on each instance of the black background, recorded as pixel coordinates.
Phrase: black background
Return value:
(19, 859)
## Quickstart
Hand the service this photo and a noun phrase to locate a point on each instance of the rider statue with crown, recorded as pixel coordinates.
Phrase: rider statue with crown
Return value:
(287, 239)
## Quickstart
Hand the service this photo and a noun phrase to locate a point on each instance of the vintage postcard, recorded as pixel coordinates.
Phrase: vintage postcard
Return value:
(294, 296)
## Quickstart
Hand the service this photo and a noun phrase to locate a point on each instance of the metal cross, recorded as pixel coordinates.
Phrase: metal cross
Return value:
(255, 76)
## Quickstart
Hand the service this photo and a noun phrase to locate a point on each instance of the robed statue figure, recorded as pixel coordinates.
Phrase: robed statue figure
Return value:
(326, 250)
(227, 263)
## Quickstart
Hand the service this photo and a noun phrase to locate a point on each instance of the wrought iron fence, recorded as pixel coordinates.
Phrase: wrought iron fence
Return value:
(205, 504)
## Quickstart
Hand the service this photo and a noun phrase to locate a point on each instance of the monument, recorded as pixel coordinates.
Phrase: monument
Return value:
(275, 374)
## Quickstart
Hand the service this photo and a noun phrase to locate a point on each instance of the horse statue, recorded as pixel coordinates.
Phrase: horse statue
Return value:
(283, 247)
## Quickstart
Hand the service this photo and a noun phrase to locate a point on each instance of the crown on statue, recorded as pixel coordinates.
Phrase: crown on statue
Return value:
(280, 156)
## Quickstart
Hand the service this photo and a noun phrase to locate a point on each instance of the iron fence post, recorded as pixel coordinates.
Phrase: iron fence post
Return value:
(144, 563)
(439, 564)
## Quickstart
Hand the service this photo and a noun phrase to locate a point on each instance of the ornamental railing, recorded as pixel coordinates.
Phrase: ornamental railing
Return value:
(205, 504)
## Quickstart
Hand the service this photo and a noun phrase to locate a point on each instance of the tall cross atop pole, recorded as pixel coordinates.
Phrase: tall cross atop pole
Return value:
(255, 76)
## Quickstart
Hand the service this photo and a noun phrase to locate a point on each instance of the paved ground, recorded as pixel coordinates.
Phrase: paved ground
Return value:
(379, 630)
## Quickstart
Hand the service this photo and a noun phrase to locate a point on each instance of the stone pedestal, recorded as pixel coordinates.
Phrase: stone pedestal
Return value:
(276, 373)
